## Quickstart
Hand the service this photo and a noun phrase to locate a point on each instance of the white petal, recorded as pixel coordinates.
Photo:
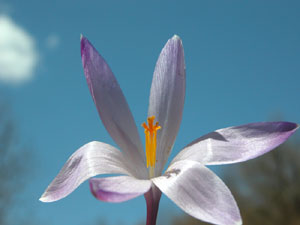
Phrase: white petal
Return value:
(90, 160)
(199, 192)
(237, 144)
(167, 97)
(111, 104)
(118, 189)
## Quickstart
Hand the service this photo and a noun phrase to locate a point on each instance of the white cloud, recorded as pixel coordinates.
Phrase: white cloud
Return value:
(18, 54)
(52, 41)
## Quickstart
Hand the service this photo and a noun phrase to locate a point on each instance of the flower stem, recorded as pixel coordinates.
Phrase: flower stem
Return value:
(152, 200)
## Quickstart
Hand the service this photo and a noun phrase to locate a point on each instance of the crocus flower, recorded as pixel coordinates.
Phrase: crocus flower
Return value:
(187, 181)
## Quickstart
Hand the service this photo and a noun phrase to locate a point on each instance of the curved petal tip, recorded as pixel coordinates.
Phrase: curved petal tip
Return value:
(46, 197)
(176, 37)
(289, 126)
(43, 199)
(84, 42)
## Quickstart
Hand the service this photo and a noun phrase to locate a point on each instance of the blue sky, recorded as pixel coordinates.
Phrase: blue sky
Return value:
(242, 64)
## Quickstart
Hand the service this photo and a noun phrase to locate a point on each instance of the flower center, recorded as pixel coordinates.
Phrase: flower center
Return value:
(150, 136)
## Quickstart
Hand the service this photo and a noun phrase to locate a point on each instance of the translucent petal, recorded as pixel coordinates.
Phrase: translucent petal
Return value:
(90, 160)
(111, 104)
(199, 192)
(167, 97)
(237, 144)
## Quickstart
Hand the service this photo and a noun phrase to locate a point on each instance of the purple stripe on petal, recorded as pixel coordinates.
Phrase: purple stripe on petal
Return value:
(237, 144)
(108, 196)
(92, 159)
(118, 189)
(112, 106)
(167, 97)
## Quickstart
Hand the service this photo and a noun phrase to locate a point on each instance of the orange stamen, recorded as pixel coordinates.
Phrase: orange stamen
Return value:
(150, 136)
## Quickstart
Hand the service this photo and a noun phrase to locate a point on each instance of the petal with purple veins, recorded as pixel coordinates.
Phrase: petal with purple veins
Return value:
(199, 192)
(237, 144)
(167, 97)
(111, 104)
(90, 160)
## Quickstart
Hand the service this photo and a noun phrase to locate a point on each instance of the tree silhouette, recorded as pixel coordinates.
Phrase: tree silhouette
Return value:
(12, 164)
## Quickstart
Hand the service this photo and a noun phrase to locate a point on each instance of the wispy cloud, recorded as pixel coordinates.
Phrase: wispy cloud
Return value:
(52, 41)
(18, 53)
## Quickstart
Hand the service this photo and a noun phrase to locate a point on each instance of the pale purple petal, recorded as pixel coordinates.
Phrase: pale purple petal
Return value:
(237, 144)
(111, 104)
(167, 97)
(199, 192)
(118, 189)
(90, 160)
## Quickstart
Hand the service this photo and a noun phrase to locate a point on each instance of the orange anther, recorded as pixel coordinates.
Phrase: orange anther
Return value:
(150, 136)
